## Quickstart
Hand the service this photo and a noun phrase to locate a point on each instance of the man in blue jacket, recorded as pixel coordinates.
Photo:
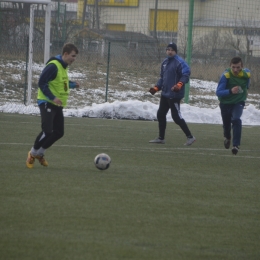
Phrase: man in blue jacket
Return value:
(175, 72)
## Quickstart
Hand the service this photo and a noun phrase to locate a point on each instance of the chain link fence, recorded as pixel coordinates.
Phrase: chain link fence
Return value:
(122, 43)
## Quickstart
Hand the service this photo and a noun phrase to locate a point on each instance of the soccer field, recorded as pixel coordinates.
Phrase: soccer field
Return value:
(154, 202)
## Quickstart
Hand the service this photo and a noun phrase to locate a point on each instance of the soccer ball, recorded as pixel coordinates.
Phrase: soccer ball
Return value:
(102, 161)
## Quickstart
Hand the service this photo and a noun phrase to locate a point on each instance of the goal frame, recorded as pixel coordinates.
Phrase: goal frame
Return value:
(46, 37)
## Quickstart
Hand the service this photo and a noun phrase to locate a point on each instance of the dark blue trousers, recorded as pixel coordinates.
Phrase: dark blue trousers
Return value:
(231, 114)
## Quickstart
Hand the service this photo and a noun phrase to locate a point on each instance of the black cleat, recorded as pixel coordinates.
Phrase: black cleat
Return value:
(227, 143)
(235, 150)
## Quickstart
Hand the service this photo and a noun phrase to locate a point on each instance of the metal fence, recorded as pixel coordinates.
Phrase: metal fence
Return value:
(135, 32)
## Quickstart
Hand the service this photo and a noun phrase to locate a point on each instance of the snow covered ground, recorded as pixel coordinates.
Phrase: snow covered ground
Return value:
(130, 103)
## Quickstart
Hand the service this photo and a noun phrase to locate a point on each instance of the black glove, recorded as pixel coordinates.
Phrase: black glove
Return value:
(153, 90)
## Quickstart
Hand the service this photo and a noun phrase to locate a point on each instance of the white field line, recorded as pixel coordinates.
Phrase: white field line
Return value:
(104, 125)
(199, 151)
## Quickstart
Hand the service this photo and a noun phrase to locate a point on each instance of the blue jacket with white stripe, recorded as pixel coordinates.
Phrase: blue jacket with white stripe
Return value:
(173, 70)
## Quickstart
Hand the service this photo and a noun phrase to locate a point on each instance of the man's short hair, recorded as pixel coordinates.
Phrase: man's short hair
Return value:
(236, 60)
(69, 47)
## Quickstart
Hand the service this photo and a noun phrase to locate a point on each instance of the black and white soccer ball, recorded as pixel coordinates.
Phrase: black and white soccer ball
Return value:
(102, 161)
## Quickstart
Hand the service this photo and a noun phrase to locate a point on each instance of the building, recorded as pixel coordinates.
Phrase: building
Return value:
(217, 24)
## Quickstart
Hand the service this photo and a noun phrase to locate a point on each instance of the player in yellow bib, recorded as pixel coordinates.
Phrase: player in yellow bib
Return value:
(232, 93)
(53, 92)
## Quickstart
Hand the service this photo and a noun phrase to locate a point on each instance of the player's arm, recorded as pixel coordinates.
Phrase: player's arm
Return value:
(159, 83)
(222, 91)
(183, 72)
(73, 84)
(48, 74)
(249, 76)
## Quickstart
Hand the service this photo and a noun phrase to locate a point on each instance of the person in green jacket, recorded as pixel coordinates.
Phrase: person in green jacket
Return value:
(53, 92)
(232, 93)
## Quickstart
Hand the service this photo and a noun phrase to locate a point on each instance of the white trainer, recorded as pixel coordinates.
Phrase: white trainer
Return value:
(157, 141)
(190, 141)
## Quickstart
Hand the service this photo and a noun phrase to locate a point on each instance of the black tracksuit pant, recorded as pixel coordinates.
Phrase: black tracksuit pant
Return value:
(174, 105)
(52, 122)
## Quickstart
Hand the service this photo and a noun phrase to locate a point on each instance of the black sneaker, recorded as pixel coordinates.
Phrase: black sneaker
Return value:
(227, 143)
(235, 150)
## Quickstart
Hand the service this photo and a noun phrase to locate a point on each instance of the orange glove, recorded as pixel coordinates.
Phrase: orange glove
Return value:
(153, 90)
(177, 87)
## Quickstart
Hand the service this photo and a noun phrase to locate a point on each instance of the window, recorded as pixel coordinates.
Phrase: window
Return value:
(91, 46)
(166, 25)
(127, 3)
(115, 27)
(133, 45)
(166, 36)
(167, 20)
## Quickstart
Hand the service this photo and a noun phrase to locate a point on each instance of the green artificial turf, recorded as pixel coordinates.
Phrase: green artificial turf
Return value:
(154, 202)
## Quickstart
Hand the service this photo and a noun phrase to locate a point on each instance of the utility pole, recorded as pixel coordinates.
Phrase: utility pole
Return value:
(84, 13)
(97, 14)
(189, 50)
(155, 20)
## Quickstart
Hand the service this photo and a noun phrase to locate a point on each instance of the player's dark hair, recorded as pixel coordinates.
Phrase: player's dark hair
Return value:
(236, 60)
(69, 47)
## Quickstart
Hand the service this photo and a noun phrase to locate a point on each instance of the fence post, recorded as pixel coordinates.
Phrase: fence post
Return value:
(26, 71)
(108, 61)
(29, 89)
(189, 47)
(155, 20)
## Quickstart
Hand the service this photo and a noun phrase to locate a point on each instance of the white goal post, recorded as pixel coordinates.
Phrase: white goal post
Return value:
(46, 37)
